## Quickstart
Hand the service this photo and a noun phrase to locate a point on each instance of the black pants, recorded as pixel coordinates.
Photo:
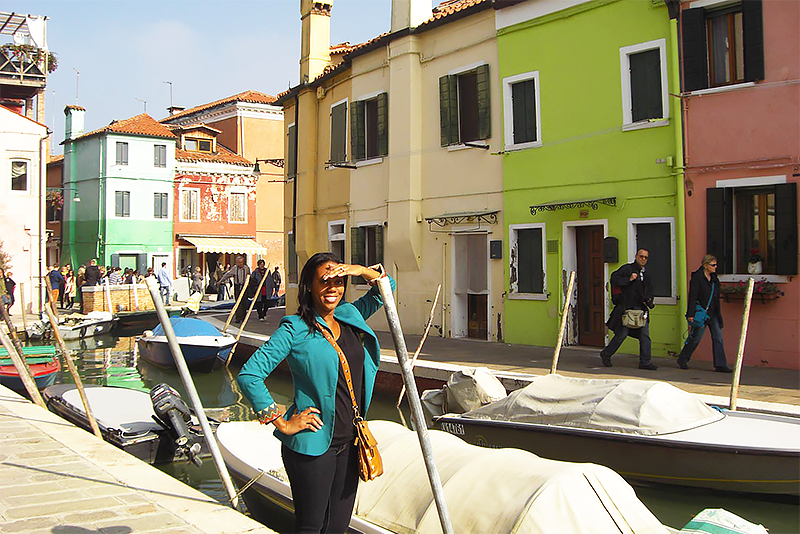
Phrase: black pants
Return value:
(642, 334)
(323, 488)
(241, 311)
(262, 305)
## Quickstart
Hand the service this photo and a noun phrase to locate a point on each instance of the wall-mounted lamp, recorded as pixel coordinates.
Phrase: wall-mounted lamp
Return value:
(278, 162)
(75, 197)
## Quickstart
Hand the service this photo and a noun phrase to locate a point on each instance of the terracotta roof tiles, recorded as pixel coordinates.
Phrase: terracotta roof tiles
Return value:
(245, 96)
(222, 155)
(143, 125)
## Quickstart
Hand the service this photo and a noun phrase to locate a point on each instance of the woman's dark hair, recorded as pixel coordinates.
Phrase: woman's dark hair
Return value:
(305, 307)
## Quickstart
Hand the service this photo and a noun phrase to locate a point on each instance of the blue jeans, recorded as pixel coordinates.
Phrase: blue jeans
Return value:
(716, 342)
(642, 334)
(165, 295)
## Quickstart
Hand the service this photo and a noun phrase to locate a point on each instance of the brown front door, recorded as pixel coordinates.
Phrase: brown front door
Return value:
(477, 325)
(591, 312)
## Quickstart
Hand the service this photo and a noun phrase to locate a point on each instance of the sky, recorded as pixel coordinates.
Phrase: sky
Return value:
(125, 50)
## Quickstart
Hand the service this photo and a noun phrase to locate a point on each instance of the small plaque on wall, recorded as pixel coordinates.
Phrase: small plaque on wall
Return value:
(496, 250)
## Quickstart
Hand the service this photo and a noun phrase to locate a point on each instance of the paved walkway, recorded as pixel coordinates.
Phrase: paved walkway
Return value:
(56, 478)
(757, 383)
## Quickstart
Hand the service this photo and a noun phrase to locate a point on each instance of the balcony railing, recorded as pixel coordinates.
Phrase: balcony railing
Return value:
(25, 65)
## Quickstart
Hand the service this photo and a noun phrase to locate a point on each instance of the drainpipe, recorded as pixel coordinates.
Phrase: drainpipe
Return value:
(41, 244)
(294, 180)
(679, 165)
(101, 207)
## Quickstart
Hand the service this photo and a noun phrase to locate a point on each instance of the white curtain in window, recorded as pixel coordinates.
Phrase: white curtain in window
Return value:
(237, 207)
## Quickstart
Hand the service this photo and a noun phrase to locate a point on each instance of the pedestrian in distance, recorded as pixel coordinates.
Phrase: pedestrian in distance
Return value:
(69, 290)
(115, 276)
(164, 283)
(93, 274)
(238, 273)
(57, 282)
(197, 281)
(264, 296)
(703, 311)
(276, 282)
(317, 431)
(632, 294)
(7, 285)
(63, 289)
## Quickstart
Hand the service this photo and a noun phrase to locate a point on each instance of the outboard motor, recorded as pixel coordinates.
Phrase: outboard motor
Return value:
(173, 414)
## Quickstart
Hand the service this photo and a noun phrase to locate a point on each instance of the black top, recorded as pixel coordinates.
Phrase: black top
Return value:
(92, 276)
(636, 294)
(700, 292)
(350, 343)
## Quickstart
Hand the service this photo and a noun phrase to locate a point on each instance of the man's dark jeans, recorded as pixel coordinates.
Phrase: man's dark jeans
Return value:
(642, 334)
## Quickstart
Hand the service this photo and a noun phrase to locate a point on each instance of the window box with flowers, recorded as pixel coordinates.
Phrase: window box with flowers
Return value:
(763, 291)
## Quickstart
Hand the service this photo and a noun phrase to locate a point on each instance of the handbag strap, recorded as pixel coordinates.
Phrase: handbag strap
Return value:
(710, 297)
(345, 369)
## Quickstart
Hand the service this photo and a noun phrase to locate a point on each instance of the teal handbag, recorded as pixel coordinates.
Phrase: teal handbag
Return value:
(701, 314)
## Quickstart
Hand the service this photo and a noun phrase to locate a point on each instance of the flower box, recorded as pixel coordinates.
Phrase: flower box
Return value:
(763, 291)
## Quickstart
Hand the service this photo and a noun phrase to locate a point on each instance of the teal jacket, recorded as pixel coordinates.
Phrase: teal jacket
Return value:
(314, 365)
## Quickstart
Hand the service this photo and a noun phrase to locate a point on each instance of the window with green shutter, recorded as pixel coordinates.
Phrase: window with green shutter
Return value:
(369, 128)
(523, 105)
(645, 69)
(339, 133)
(358, 129)
(122, 203)
(465, 106)
(366, 247)
(291, 160)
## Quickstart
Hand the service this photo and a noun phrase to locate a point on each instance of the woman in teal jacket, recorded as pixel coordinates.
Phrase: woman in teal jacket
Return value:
(317, 430)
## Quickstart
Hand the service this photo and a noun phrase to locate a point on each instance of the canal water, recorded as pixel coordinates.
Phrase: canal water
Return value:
(112, 360)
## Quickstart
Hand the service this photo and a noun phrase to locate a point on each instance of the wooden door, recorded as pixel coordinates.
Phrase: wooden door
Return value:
(591, 305)
(478, 327)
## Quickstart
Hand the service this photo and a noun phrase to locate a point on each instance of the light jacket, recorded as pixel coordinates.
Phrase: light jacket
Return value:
(314, 365)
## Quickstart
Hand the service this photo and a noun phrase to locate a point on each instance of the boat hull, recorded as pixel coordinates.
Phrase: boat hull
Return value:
(642, 459)
(44, 375)
(90, 329)
(198, 357)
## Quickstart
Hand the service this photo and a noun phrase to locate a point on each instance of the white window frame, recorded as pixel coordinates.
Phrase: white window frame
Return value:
(130, 204)
(346, 130)
(28, 166)
(181, 217)
(755, 181)
(237, 191)
(378, 159)
(625, 71)
(337, 236)
(508, 111)
(127, 153)
(632, 224)
(512, 242)
(457, 72)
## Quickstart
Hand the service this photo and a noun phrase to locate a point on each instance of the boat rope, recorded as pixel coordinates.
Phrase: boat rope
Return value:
(249, 483)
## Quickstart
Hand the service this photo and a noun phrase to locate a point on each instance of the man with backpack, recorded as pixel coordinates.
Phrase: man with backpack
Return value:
(632, 294)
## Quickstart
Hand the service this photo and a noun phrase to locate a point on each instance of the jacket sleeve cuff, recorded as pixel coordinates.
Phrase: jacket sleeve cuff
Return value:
(268, 414)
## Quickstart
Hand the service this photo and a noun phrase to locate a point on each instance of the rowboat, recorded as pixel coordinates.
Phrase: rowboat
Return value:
(203, 346)
(43, 362)
(487, 491)
(648, 431)
(76, 326)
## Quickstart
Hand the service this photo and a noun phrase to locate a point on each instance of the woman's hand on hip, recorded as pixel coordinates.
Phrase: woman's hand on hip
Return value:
(305, 420)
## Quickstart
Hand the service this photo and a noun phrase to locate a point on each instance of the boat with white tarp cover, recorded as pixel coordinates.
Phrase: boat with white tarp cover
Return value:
(487, 490)
(648, 431)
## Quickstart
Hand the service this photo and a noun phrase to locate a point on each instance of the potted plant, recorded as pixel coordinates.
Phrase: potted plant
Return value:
(755, 263)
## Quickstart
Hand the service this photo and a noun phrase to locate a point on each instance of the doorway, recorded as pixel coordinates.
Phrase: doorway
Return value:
(470, 304)
(590, 281)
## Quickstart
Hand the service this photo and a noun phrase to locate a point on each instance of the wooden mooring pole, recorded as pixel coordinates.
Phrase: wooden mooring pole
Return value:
(23, 370)
(246, 317)
(560, 340)
(737, 370)
(236, 306)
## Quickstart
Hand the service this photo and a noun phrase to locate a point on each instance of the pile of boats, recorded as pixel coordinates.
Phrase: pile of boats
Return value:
(42, 361)
(75, 325)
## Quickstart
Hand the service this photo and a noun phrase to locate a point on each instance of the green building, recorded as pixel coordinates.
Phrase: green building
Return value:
(123, 175)
(591, 165)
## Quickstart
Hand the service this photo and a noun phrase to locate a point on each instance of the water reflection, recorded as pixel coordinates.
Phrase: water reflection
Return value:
(111, 360)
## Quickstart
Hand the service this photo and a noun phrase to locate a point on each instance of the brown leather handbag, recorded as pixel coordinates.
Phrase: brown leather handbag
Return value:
(370, 463)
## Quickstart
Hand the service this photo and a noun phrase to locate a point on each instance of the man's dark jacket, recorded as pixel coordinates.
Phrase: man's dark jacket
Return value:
(636, 295)
(92, 275)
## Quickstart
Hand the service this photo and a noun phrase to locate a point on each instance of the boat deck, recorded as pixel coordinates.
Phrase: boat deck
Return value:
(56, 477)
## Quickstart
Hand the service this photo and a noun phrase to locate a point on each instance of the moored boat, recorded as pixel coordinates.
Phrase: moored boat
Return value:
(78, 326)
(42, 360)
(648, 431)
(487, 491)
(203, 346)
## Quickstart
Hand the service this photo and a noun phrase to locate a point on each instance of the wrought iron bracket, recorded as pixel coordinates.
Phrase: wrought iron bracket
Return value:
(591, 204)
(489, 217)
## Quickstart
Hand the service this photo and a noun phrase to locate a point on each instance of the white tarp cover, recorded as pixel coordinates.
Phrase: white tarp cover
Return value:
(496, 491)
(472, 388)
(644, 407)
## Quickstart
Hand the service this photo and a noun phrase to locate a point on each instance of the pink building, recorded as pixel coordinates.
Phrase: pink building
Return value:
(741, 104)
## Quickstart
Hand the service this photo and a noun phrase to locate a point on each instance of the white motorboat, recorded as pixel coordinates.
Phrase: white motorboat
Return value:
(647, 431)
(76, 325)
(487, 490)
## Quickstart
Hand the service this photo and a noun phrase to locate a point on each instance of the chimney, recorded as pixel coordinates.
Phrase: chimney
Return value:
(410, 13)
(315, 50)
(74, 124)
(175, 109)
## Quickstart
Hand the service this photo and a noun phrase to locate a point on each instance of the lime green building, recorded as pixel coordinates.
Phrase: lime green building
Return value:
(591, 165)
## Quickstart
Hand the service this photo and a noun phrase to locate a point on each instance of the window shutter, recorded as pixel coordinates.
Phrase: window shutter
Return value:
(164, 206)
(786, 228)
(141, 263)
(719, 227)
(383, 124)
(291, 167)
(484, 103)
(358, 250)
(157, 205)
(358, 134)
(753, 28)
(695, 62)
(645, 72)
(523, 106)
(530, 265)
(339, 133)
(379, 244)
(448, 109)
(115, 260)
(126, 205)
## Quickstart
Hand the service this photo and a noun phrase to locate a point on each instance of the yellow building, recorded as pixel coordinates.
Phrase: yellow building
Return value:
(394, 160)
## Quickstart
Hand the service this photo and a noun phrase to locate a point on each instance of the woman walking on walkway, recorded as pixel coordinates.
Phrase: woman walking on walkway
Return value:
(704, 300)
(317, 431)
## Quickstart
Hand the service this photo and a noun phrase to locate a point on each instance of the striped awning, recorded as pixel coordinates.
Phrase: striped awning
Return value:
(226, 245)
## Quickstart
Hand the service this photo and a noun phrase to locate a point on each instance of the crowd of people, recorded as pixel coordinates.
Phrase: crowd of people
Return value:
(66, 284)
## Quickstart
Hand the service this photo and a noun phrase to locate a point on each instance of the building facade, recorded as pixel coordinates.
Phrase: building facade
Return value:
(123, 175)
(591, 162)
(741, 94)
(394, 163)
